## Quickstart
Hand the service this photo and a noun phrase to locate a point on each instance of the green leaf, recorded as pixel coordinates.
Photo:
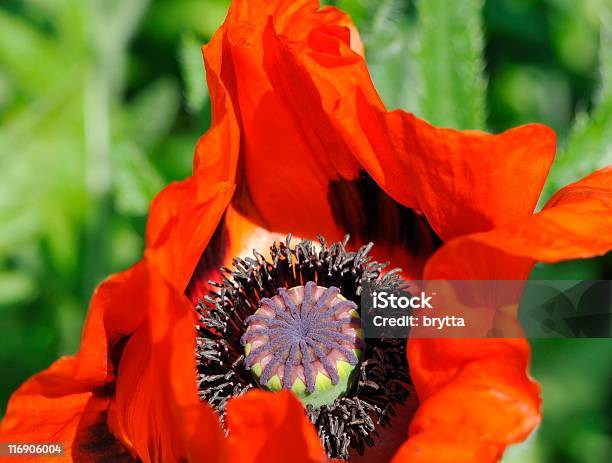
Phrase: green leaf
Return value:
(126, 247)
(450, 57)
(112, 23)
(15, 287)
(605, 56)
(358, 10)
(61, 238)
(193, 72)
(589, 146)
(135, 180)
(153, 113)
(69, 321)
(168, 19)
(390, 49)
(126, 17)
(21, 45)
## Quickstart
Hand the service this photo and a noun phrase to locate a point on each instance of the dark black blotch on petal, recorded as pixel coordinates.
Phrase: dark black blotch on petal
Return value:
(365, 211)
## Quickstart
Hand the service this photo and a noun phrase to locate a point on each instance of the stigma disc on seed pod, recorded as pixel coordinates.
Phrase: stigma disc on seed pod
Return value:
(307, 339)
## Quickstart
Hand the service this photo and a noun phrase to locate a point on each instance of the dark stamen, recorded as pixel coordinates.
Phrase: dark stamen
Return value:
(232, 312)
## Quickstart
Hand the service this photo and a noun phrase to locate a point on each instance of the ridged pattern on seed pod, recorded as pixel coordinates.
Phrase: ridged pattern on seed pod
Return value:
(307, 339)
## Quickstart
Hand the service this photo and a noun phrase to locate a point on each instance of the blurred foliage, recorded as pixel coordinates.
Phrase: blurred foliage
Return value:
(450, 57)
(589, 145)
(102, 102)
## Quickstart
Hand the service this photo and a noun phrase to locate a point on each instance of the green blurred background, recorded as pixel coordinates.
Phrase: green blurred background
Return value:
(102, 101)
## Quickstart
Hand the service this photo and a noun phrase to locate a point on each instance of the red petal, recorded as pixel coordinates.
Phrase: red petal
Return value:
(216, 155)
(68, 402)
(289, 153)
(477, 391)
(440, 447)
(140, 319)
(271, 428)
(471, 181)
(182, 220)
(296, 174)
(464, 181)
(157, 411)
(475, 399)
(576, 223)
(184, 215)
(33, 415)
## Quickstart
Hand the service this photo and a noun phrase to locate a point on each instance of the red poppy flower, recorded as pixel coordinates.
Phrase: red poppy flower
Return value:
(300, 142)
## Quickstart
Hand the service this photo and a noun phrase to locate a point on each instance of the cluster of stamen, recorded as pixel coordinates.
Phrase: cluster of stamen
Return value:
(294, 318)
